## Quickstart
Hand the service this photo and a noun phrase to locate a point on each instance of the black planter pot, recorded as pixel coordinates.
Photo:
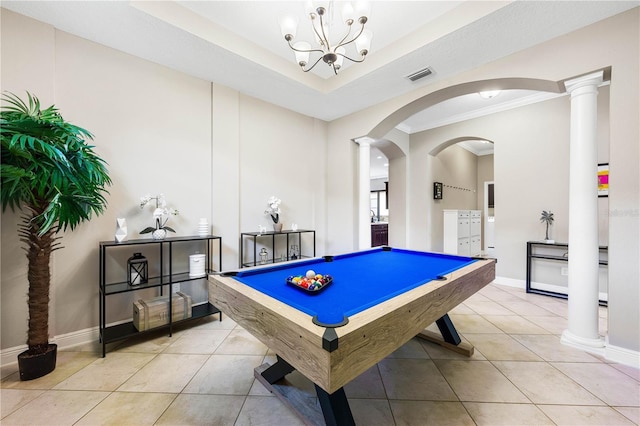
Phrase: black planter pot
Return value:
(34, 366)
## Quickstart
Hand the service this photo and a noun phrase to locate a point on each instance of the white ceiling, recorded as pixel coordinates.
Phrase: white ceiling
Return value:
(238, 44)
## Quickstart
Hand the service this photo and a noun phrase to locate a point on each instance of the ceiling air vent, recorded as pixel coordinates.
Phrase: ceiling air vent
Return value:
(420, 74)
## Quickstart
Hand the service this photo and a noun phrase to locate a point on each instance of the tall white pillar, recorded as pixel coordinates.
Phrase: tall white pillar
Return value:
(364, 193)
(582, 329)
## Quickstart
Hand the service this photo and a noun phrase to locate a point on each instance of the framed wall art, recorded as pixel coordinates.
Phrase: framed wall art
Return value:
(437, 190)
(603, 180)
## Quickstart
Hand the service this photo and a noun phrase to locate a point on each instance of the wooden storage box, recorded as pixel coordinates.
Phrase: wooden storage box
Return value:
(154, 312)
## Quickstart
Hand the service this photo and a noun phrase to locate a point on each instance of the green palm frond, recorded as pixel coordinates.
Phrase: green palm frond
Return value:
(47, 163)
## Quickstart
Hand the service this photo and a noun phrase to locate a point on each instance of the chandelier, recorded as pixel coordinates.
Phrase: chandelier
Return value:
(323, 25)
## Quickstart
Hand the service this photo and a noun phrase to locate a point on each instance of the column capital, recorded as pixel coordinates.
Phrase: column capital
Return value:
(593, 79)
(364, 141)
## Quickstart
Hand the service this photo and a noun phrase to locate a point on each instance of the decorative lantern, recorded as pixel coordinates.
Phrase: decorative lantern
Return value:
(138, 269)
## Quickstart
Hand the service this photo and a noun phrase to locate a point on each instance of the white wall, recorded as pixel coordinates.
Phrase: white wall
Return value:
(624, 193)
(213, 152)
(31, 62)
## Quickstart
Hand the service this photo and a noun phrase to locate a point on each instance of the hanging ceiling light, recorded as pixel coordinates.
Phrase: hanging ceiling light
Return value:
(333, 54)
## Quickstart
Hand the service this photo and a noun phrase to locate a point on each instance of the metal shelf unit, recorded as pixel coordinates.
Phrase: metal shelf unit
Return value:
(273, 235)
(112, 333)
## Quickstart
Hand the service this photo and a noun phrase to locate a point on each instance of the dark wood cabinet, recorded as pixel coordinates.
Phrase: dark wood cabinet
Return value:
(379, 234)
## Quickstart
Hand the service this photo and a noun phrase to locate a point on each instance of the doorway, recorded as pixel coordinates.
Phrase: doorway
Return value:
(489, 218)
(379, 186)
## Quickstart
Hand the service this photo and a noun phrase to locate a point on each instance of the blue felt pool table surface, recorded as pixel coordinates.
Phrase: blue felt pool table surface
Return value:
(360, 280)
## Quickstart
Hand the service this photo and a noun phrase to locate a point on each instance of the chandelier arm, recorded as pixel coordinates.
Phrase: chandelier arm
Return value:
(343, 43)
(324, 37)
(322, 40)
(352, 60)
(311, 67)
(304, 50)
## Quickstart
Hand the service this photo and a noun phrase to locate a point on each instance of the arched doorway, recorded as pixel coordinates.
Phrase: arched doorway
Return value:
(395, 149)
(403, 168)
(461, 167)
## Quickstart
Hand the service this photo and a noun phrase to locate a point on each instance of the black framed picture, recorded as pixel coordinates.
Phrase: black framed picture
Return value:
(437, 190)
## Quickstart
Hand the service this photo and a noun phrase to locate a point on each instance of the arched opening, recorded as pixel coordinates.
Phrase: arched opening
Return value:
(394, 148)
(462, 168)
(402, 234)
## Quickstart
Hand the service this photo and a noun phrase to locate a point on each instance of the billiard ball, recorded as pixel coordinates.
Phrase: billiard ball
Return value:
(311, 274)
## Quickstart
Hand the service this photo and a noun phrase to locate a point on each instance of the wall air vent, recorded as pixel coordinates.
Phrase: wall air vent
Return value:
(420, 74)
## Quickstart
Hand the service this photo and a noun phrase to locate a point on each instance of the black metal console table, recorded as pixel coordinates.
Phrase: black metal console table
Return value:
(273, 235)
(563, 249)
(114, 283)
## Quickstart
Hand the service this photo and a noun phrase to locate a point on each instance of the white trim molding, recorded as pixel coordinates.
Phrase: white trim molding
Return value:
(622, 355)
(510, 282)
(64, 341)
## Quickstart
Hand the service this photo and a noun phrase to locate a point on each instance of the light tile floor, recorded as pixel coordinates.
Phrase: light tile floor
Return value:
(520, 374)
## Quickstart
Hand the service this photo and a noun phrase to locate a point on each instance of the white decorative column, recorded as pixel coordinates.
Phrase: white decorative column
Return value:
(583, 215)
(364, 193)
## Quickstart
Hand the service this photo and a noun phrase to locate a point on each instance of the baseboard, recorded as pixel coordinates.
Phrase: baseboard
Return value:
(512, 282)
(64, 341)
(562, 289)
(509, 282)
(622, 355)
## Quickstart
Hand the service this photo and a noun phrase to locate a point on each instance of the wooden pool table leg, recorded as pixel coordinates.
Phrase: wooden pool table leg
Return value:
(335, 410)
(450, 335)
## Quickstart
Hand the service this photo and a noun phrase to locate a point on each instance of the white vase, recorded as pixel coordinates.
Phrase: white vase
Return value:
(203, 227)
(121, 229)
(277, 227)
(159, 234)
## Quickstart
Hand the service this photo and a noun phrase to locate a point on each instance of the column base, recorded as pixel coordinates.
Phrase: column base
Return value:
(586, 344)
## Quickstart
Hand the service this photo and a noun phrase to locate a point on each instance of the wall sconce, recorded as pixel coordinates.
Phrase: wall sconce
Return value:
(138, 269)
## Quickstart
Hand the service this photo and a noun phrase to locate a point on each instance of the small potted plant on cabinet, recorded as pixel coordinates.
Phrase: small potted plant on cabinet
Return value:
(50, 173)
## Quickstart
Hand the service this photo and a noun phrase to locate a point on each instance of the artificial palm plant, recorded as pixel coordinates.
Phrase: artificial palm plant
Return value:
(50, 173)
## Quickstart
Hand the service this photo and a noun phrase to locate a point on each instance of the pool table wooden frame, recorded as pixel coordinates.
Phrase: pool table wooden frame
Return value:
(367, 338)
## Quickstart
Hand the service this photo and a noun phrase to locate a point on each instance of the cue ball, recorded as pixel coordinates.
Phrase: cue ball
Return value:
(310, 274)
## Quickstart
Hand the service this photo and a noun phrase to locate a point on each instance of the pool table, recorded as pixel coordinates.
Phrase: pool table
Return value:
(377, 301)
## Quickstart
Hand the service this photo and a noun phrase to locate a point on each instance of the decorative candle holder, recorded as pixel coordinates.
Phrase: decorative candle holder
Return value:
(138, 269)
